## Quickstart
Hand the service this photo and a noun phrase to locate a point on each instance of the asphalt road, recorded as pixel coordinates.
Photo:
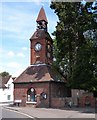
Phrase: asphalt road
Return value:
(6, 114)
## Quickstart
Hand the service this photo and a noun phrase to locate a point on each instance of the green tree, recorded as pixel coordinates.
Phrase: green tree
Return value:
(4, 74)
(75, 53)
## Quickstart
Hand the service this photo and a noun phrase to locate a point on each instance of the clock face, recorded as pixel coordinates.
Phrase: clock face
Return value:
(38, 46)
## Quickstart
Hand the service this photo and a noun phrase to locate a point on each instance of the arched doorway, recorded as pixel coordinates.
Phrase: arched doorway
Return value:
(87, 100)
(31, 95)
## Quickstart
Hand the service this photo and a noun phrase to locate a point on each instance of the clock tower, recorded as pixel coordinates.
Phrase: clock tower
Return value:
(41, 42)
(40, 84)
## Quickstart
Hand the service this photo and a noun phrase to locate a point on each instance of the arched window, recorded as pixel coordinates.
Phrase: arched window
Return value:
(31, 95)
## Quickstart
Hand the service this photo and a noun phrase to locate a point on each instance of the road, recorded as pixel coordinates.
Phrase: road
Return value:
(7, 114)
(46, 114)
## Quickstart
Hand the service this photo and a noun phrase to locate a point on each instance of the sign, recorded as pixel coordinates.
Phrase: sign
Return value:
(44, 95)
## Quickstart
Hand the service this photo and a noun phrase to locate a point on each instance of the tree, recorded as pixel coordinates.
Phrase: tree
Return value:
(4, 74)
(76, 54)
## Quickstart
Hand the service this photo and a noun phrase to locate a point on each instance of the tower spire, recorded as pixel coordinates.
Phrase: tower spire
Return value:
(42, 16)
(42, 20)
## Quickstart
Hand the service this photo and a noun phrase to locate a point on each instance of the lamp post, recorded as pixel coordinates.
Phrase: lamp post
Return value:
(77, 99)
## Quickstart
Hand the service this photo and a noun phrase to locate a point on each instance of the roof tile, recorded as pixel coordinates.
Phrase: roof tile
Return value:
(39, 74)
(41, 15)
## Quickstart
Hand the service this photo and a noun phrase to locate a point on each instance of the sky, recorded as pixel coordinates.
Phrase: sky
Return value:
(17, 25)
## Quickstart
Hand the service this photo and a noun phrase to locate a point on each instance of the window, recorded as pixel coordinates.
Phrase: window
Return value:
(9, 86)
(31, 95)
(8, 97)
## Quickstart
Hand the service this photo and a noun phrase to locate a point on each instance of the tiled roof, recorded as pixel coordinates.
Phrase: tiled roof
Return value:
(40, 34)
(41, 15)
(3, 81)
(39, 73)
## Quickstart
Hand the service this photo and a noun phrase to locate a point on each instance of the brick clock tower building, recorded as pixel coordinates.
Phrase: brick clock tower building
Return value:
(41, 84)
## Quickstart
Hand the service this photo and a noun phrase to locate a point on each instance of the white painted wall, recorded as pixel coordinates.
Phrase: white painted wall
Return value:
(4, 93)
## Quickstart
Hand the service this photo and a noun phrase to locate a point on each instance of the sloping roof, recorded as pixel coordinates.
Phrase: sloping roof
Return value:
(3, 81)
(1, 85)
(39, 73)
(41, 15)
(40, 34)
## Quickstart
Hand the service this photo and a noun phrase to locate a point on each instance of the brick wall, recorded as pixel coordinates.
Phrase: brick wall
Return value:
(58, 102)
(20, 92)
(87, 101)
(41, 53)
(56, 92)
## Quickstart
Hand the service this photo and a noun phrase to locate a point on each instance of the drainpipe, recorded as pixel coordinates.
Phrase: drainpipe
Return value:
(49, 94)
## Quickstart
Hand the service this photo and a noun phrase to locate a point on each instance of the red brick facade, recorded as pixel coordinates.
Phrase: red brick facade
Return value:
(41, 55)
(55, 92)
(85, 101)
(83, 98)
(41, 84)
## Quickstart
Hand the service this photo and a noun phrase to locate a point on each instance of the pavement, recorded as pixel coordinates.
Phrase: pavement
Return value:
(55, 113)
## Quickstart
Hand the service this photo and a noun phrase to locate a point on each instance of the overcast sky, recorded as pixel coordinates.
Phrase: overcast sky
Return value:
(18, 24)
